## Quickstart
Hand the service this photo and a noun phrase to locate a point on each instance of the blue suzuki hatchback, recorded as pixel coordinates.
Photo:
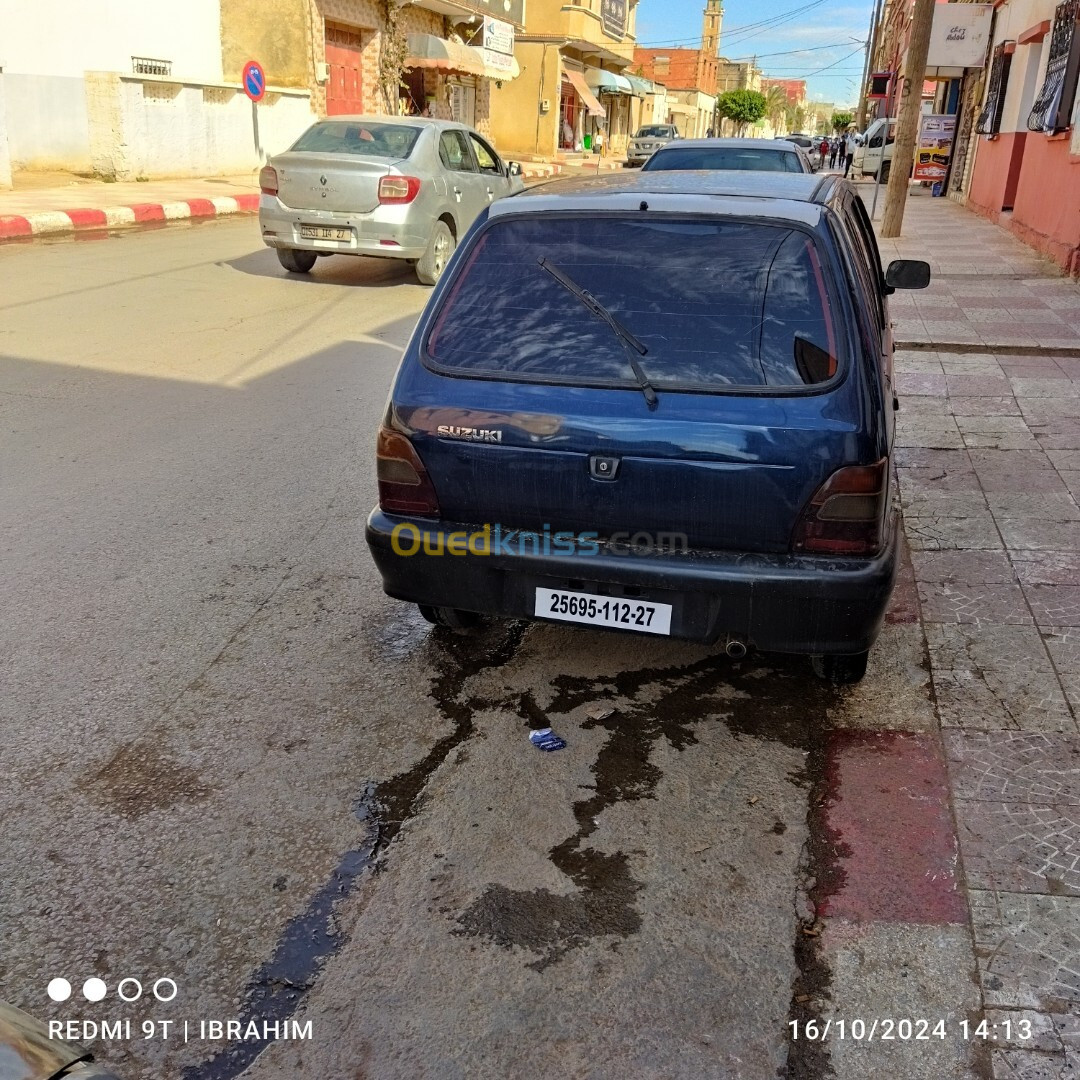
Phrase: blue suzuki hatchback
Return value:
(660, 403)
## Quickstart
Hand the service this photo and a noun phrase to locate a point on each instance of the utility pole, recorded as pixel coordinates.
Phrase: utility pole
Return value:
(907, 124)
(871, 52)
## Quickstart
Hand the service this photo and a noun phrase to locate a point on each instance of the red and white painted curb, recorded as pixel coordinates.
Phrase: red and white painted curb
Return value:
(57, 222)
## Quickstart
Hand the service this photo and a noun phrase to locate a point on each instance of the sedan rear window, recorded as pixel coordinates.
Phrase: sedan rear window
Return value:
(359, 139)
(716, 304)
(725, 157)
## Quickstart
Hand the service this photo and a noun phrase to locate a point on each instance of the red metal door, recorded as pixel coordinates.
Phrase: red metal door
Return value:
(345, 90)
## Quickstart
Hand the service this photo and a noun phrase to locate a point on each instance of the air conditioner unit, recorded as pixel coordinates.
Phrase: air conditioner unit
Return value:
(322, 73)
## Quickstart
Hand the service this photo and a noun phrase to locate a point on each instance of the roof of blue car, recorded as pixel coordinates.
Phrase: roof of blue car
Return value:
(791, 195)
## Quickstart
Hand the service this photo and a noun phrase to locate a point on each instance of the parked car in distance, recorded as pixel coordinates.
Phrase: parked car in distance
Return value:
(666, 400)
(752, 155)
(648, 140)
(808, 144)
(389, 187)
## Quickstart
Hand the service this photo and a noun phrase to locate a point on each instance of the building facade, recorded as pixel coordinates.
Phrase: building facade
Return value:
(690, 76)
(1010, 73)
(574, 86)
(1025, 145)
(133, 90)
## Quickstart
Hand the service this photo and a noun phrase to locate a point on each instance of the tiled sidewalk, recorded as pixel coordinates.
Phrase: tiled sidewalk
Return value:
(93, 194)
(989, 465)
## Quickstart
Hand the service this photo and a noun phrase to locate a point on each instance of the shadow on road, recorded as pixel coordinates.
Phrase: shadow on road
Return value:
(331, 270)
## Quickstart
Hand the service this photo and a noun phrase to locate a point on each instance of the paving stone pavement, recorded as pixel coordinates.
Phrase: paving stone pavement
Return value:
(988, 434)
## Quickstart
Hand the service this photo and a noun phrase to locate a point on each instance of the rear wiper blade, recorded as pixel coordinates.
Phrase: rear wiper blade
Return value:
(620, 331)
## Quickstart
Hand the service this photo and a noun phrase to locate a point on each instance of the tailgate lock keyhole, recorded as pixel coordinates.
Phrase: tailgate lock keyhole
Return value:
(603, 467)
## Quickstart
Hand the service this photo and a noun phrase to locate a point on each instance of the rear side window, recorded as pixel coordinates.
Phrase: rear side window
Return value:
(359, 140)
(717, 304)
(725, 157)
(454, 151)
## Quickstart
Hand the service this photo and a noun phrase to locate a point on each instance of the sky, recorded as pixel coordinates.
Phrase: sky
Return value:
(806, 37)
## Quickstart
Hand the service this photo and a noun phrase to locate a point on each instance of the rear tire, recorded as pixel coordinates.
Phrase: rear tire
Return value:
(453, 618)
(840, 670)
(440, 247)
(296, 262)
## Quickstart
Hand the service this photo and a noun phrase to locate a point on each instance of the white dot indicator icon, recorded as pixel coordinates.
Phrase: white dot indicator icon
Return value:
(59, 989)
(94, 989)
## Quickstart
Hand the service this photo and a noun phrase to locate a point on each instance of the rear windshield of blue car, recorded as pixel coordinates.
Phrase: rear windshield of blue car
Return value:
(718, 305)
(363, 139)
(725, 157)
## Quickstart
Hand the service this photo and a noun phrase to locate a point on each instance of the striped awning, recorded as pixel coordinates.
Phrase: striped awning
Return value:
(640, 87)
(592, 104)
(607, 82)
(454, 58)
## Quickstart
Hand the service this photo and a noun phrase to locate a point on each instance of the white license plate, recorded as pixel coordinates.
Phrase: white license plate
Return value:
(641, 615)
(324, 232)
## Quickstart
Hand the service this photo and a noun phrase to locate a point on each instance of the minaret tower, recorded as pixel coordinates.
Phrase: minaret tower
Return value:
(710, 27)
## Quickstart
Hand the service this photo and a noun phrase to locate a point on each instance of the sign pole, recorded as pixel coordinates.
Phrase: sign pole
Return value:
(877, 182)
(255, 129)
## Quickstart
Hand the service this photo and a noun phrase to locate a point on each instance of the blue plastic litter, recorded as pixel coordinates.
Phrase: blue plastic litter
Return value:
(546, 739)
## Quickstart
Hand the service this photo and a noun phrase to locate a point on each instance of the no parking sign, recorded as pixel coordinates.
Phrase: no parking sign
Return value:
(254, 80)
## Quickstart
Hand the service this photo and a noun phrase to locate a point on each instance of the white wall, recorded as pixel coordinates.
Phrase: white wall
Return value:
(143, 128)
(46, 120)
(68, 37)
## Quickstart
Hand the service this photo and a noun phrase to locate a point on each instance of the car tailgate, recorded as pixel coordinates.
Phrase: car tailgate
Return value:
(330, 181)
(726, 473)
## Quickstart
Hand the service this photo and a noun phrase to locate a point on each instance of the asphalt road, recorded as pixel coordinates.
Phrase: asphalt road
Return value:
(232, 762)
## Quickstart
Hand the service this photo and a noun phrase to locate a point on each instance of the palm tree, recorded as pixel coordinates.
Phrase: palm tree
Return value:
(794, 117)
(776, 103)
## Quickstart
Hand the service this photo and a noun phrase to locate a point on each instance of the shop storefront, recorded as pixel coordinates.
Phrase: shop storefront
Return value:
(581, 113)
(615, 93)
(448, 79)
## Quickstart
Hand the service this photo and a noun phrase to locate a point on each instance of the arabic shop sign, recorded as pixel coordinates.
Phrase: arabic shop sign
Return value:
(613, 17)
(960, 35)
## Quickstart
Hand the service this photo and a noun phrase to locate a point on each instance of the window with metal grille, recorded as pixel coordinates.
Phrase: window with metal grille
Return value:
(144, 65)
(989, 122)
(1052, 108)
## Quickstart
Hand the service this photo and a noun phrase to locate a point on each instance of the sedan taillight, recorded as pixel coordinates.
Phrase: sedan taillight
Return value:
(846, 514)
(398, 189)
(268, 180)
(404, 484)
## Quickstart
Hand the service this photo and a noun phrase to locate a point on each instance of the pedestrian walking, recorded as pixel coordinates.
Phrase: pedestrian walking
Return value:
(834, 152)
(850, 143)
(823, 151)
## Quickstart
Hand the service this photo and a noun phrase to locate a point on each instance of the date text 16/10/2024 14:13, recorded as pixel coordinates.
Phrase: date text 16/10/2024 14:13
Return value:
(909, 1030)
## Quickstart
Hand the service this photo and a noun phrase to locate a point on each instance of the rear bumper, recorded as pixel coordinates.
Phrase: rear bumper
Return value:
(779, 603)
(387, 232)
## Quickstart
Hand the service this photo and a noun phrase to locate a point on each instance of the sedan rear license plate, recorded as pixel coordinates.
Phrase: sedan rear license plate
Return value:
(642, 615)
(324, 232)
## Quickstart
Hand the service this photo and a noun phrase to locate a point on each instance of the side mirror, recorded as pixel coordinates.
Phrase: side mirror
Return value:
(513, 168)
(907, 274)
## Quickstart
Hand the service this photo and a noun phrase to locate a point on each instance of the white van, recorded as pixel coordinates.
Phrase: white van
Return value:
(870, 155)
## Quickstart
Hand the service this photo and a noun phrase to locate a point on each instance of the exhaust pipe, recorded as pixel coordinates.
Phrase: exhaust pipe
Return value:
(735, 648)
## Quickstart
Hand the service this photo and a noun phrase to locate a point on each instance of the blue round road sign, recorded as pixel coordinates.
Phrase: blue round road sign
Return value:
(254, 80)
